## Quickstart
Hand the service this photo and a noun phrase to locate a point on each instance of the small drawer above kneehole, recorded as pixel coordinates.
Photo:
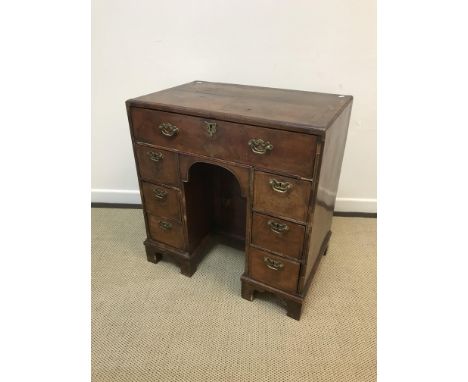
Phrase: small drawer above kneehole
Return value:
(277, 235)
(161, 201)
(156, 165)
(273, 270)
(281, 196)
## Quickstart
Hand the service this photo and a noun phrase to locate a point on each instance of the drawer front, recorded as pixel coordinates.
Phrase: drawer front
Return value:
(157, 165)
(262, 147)
(277, 235)
(273, 270)
(282, 196)
(161, 201)
(166, 231)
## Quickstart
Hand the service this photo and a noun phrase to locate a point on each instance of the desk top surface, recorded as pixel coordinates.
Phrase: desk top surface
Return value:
(295, 110)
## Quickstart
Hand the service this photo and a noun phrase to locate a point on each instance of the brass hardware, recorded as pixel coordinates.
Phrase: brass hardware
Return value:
(168, 129)
(210, 128)
(166, 226)
(155, 156)
(159, 193)
(259, 146)
(273, 264)
(278, 186)
(278, 227)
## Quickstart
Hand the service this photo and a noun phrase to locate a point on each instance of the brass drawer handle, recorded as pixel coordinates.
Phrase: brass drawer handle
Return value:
(259, 146)
(278, 227)
(168, 129)
(273, 264)
(210, 128)
(155, 156)
(159, 193)
(166, 226)
(281, 187)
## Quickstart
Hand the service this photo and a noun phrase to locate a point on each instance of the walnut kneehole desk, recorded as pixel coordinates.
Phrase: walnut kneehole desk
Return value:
(258, 166)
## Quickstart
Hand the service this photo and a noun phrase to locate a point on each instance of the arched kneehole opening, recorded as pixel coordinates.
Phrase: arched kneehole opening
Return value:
(214, 205)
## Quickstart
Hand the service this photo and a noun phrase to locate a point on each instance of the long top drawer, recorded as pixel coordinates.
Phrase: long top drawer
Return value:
(278, 150)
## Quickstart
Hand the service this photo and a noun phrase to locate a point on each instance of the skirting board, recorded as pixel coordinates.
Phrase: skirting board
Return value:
(133, 197)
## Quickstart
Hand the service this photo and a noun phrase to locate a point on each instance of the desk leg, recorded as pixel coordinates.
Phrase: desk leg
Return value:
(294, 309)
(247, 291)
(152, 255)
(187, 268)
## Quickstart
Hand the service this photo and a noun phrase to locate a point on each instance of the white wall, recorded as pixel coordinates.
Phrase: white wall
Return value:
(143, 46)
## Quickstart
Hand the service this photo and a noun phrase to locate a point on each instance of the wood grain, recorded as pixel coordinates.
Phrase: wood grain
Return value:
(291, 204)
(285, 279)
(162, 201)
(230, 141)
(293, 110)
(162, 171)
(286, 243)
(173, 236)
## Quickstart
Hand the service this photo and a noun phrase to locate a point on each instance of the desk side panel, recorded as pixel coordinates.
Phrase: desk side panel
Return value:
(329, 177)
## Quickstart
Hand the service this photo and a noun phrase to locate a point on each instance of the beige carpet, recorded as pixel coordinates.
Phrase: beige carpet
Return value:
(150, 323)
